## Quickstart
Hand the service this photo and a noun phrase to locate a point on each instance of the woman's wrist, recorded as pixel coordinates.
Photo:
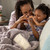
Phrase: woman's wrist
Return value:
(18, 21)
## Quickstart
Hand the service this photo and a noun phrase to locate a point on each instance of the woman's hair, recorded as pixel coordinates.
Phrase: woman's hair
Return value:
(21, 3)
(45, 9)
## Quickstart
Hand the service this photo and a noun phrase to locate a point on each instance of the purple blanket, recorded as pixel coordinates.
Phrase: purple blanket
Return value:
(6, 39)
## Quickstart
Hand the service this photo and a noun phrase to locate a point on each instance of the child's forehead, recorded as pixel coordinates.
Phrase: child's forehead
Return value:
(38, 11)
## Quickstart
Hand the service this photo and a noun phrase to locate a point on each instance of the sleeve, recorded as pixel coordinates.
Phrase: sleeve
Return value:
(43, 21)
(39, 29)
(12, 19)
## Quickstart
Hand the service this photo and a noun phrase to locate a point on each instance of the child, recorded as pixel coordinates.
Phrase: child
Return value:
(41, 15)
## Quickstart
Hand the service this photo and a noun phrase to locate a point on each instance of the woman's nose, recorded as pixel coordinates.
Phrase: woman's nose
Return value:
(29, 14)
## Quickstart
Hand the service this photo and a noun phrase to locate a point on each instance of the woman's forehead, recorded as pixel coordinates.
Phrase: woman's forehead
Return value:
(26, 7)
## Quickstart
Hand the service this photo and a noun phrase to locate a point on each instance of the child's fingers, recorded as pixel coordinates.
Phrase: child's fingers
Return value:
(31, 16)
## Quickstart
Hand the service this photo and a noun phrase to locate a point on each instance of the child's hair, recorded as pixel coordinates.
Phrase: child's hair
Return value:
(21, 3)
(44, 9)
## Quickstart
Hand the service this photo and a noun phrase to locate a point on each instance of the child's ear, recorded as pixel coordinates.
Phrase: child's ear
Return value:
(45, 16)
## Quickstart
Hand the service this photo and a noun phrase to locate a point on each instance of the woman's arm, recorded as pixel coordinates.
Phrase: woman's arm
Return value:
(20, 20)
(15, 24)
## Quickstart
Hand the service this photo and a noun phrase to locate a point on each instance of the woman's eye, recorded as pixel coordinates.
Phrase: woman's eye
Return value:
(30, 10)
(25, 12)
(34, 15)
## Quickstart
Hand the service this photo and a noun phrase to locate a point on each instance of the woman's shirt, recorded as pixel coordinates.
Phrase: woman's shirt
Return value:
(12, 19)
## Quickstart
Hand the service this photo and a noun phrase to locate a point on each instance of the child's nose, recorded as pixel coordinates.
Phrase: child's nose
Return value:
(28, 14)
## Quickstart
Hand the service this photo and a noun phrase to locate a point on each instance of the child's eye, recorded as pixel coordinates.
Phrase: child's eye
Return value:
(34, 15)
(30, 10)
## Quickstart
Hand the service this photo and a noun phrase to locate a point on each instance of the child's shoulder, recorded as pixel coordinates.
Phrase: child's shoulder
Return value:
(43, 21)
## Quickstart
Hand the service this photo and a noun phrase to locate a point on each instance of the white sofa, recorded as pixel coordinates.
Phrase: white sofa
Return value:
(44, 35)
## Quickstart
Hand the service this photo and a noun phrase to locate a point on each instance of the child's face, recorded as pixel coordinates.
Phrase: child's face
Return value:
(39, 15)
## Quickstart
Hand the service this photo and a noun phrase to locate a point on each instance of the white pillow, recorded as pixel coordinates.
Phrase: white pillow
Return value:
(21, 41)
(44, 34)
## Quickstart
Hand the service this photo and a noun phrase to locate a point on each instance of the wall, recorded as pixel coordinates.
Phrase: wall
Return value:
(0, 2)
(8, 6)
(47, 2)
(36, 3)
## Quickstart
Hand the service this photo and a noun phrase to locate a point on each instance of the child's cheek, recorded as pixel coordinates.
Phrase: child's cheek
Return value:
(39, 18)
(35, 17)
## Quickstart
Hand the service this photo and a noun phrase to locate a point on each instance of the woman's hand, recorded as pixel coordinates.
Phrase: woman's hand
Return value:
(22, 19)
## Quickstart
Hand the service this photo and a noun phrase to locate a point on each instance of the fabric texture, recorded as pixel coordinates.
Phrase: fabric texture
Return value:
(46, 45)
(6, 39)
(44, 34)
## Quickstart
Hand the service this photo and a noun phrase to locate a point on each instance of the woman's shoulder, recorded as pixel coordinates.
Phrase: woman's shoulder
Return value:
(13, 16)
(13, 12)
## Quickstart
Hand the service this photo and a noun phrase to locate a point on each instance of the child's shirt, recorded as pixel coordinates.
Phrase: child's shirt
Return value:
(37, 28)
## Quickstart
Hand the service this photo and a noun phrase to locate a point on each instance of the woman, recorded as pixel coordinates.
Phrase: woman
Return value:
(23, 11)
(17, 13)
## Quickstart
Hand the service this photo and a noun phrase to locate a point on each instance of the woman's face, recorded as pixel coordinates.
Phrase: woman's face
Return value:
(26, 9)
(39, 15)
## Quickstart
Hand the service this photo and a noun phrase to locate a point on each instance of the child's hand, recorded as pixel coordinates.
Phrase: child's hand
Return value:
(30, 20)
(35, 18)
(31, 17)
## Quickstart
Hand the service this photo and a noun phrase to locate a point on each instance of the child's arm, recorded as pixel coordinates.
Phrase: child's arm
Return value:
(36, 22)
(39, 24)
(35, 33)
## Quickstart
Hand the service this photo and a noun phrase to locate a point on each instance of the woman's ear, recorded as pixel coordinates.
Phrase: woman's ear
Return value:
(21, 13)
